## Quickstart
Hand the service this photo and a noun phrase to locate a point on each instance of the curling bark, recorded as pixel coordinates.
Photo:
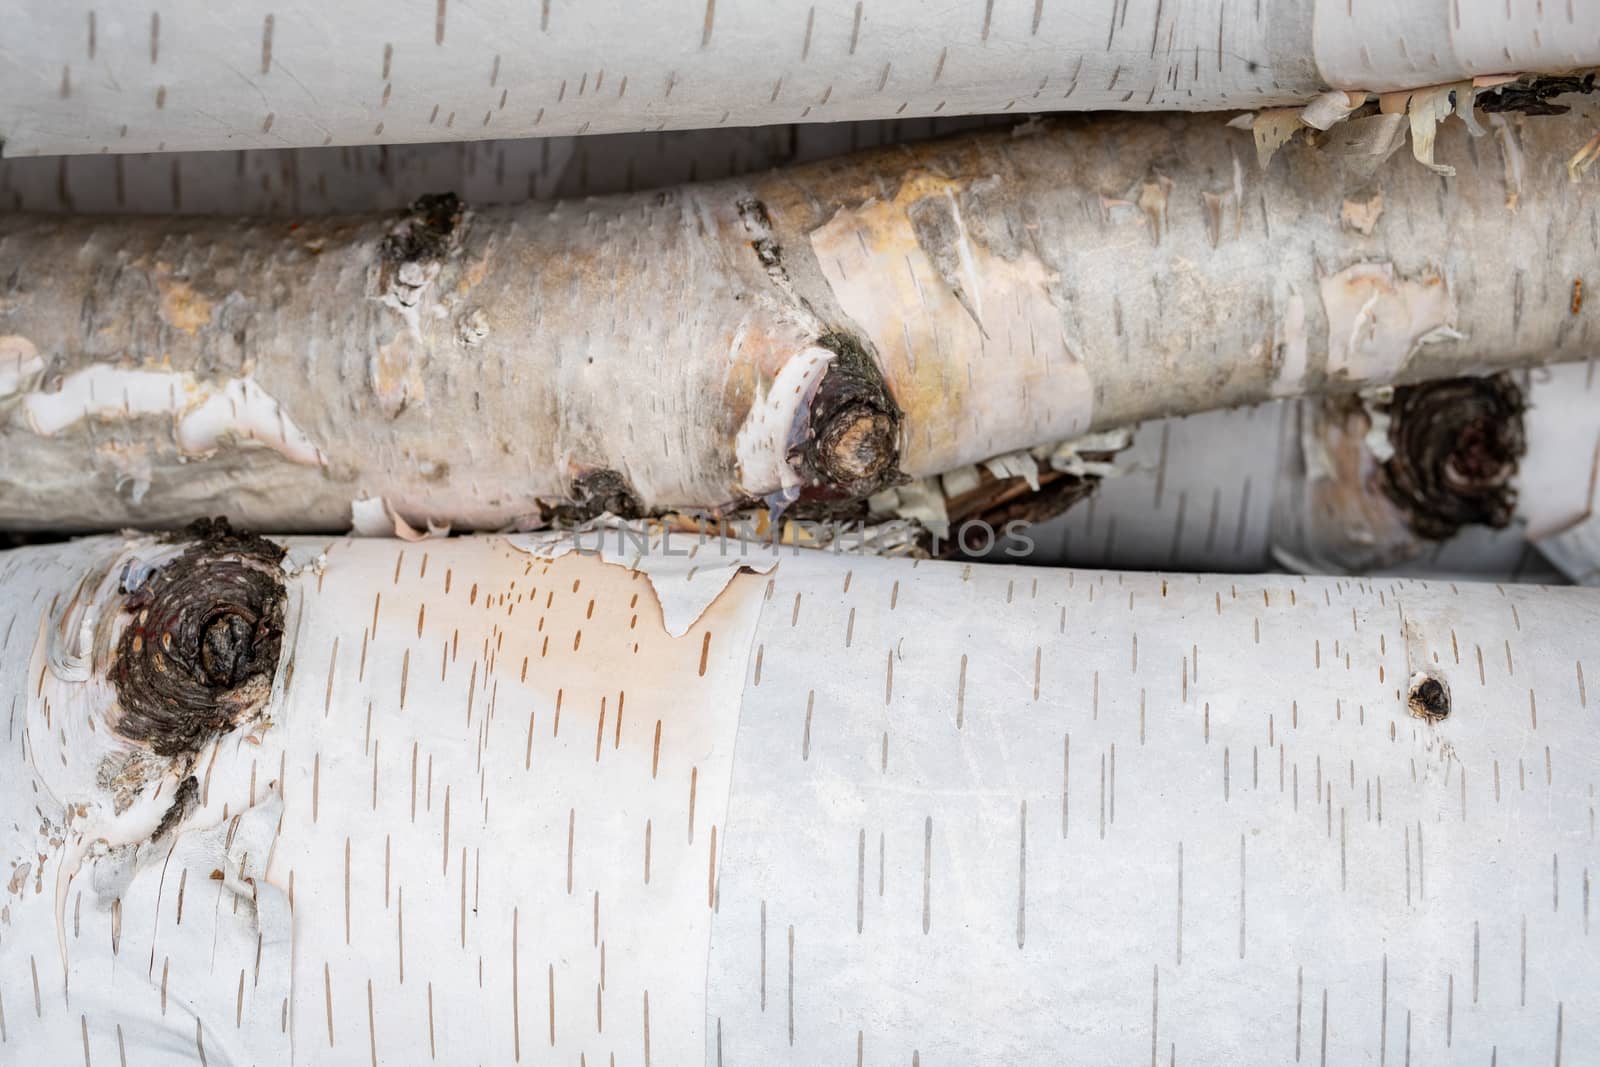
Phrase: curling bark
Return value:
(811, 335)
(463, 802)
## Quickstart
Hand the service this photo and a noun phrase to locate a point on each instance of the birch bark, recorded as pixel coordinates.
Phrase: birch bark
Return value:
(812, 334)
(491, 808)
(77, 76)
(1287, 483)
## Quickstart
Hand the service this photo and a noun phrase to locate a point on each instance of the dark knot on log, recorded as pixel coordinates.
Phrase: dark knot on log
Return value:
(1456, 446)
(857, 444)
(202, 643)
(1428, 697)
(853, 449)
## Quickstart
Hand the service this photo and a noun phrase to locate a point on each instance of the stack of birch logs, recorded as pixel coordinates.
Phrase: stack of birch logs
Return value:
(573, 533)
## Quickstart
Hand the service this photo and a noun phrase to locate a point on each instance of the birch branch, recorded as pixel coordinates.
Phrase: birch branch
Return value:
(456, 801)
(811, 336)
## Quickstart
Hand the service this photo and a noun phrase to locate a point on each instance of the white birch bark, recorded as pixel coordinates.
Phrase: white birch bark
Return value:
(84, 77)
(292, 182)
(493, 810)
(1234, 491)
(1003, 289)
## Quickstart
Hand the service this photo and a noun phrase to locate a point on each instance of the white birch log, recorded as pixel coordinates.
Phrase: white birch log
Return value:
(77, 76)
(810, 334)
(475, 806)
(1267, 486)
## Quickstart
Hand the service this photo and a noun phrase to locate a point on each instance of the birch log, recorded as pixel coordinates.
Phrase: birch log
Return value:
(459, 803)
(1287, 484)
(80, 76)
(814, 334)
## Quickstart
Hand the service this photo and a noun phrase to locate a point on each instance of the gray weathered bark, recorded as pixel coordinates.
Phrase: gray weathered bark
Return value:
(812, 334)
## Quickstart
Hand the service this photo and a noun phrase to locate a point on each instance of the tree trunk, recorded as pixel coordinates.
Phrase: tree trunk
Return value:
(813, 335)
(456, 801)
(196, 75)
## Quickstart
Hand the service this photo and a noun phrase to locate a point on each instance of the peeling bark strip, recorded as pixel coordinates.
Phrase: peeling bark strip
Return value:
(730, 63)
(813, 334)
(761, 834)
(199, 652)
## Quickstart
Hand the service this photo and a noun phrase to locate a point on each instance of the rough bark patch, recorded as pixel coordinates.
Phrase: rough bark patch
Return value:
(183, 802)
(1457, 443)
(758, 224)
(410, 257)
(200, 651)
(428, 232)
